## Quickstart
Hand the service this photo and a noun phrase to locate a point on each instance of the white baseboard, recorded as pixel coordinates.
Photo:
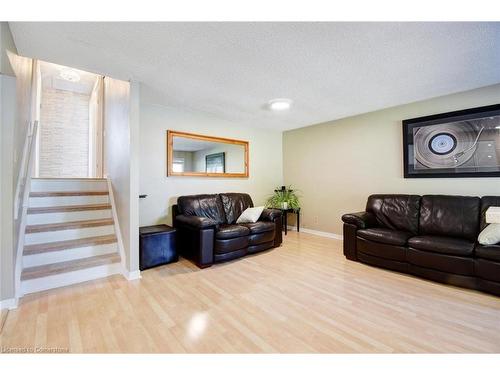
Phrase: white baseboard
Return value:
(134, 275)
(9, 304)
(318, 233)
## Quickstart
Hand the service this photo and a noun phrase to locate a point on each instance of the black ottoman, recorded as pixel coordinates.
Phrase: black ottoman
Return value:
(157, 246)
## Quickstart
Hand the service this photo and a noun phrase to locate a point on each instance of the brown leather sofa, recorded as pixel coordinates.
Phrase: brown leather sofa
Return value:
(208, 233)
(433, 236)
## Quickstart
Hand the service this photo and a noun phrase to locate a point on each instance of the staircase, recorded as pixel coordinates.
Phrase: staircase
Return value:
(69, 234)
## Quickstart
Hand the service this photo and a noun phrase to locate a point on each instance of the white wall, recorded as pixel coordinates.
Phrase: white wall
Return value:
(7, 44)
(64, 134)
(155, 119)
(15, 115)
(120, 161)
(339, 163)
(7, 238)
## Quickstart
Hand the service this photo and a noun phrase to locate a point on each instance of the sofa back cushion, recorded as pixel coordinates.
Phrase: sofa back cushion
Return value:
(205, 205)
(395, 211)
(234, 204)
(451, 216)
(486, 202)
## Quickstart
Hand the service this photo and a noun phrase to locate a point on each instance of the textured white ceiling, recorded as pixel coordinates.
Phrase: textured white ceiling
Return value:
(329, 70)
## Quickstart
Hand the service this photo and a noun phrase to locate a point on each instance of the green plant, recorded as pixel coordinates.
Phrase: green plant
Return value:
(284, 194)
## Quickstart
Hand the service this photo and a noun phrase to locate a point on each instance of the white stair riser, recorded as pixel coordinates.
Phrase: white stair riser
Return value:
(68, 185)
(69, 278)
(68, 254)
(67, 201)
(70, 234)
(61, 217)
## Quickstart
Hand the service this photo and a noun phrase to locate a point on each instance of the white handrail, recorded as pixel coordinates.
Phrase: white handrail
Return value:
(27, 171)
(23, 168)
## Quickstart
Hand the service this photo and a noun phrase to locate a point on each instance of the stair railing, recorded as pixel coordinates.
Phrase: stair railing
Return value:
(22, 199)
(23, 167)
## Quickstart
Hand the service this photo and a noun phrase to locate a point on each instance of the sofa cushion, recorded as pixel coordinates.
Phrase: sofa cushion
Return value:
(400, 266)
(384, 235)
(259, 226)
(491, 252)
(258, 238)
(229, 245)
(443, 245)
(487, 269)
(441, 262)
(447, 215)
(395, 211)
(234, 204)
(226, 231)
(486, 202)
(381, 250)
(204, 205)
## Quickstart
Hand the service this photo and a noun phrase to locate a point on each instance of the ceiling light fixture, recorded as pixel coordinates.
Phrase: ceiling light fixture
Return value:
(70, 75)
(279, 104)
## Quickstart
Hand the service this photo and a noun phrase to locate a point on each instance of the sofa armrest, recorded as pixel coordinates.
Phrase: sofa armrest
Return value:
(361, 220)
(196, 221)
(195, 238)
(270, 214)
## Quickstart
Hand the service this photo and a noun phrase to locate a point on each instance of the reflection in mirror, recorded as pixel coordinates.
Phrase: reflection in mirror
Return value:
(196, 155)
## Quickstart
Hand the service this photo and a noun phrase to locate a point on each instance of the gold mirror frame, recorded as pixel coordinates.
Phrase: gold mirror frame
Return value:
(170, 154)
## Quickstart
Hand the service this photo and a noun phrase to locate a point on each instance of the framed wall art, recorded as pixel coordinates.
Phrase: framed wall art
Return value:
(463, 143)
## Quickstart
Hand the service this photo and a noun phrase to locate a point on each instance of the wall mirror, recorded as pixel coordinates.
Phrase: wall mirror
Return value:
(204, 156)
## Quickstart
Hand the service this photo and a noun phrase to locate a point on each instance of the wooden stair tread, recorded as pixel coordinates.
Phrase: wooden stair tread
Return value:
(69, 266)
(68, 244)
(41, 194)
(80, 207)
(37, 228)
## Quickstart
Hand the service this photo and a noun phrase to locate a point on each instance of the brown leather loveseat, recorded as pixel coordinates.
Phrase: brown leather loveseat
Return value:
(208, 233)
(431, 236)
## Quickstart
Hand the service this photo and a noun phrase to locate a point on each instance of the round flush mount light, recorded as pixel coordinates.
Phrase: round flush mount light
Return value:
(70, 75)
(280, 104)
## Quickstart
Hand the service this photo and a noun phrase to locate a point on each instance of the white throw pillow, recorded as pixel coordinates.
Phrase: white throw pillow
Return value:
(490, 235)
(250, 215)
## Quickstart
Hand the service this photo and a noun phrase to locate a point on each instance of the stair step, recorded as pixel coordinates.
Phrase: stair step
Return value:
(70, 266)
(82, 207)
(67, 200)
(41, 194)
(65, 255)
(68, 225)
(68, 184)
(68, 244)
(61, 217)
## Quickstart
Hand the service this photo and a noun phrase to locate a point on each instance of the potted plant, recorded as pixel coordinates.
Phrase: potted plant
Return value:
(284, 197)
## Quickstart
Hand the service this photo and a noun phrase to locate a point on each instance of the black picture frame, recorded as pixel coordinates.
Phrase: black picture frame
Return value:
(219, 158)
(448, 119)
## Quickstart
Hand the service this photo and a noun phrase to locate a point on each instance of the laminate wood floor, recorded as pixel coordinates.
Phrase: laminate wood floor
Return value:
(302, 297)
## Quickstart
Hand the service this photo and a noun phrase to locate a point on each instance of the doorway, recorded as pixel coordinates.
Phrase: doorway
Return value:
(70, 142)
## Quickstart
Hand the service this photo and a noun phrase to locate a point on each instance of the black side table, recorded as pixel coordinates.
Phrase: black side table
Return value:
(285, 213)
(157, 246)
